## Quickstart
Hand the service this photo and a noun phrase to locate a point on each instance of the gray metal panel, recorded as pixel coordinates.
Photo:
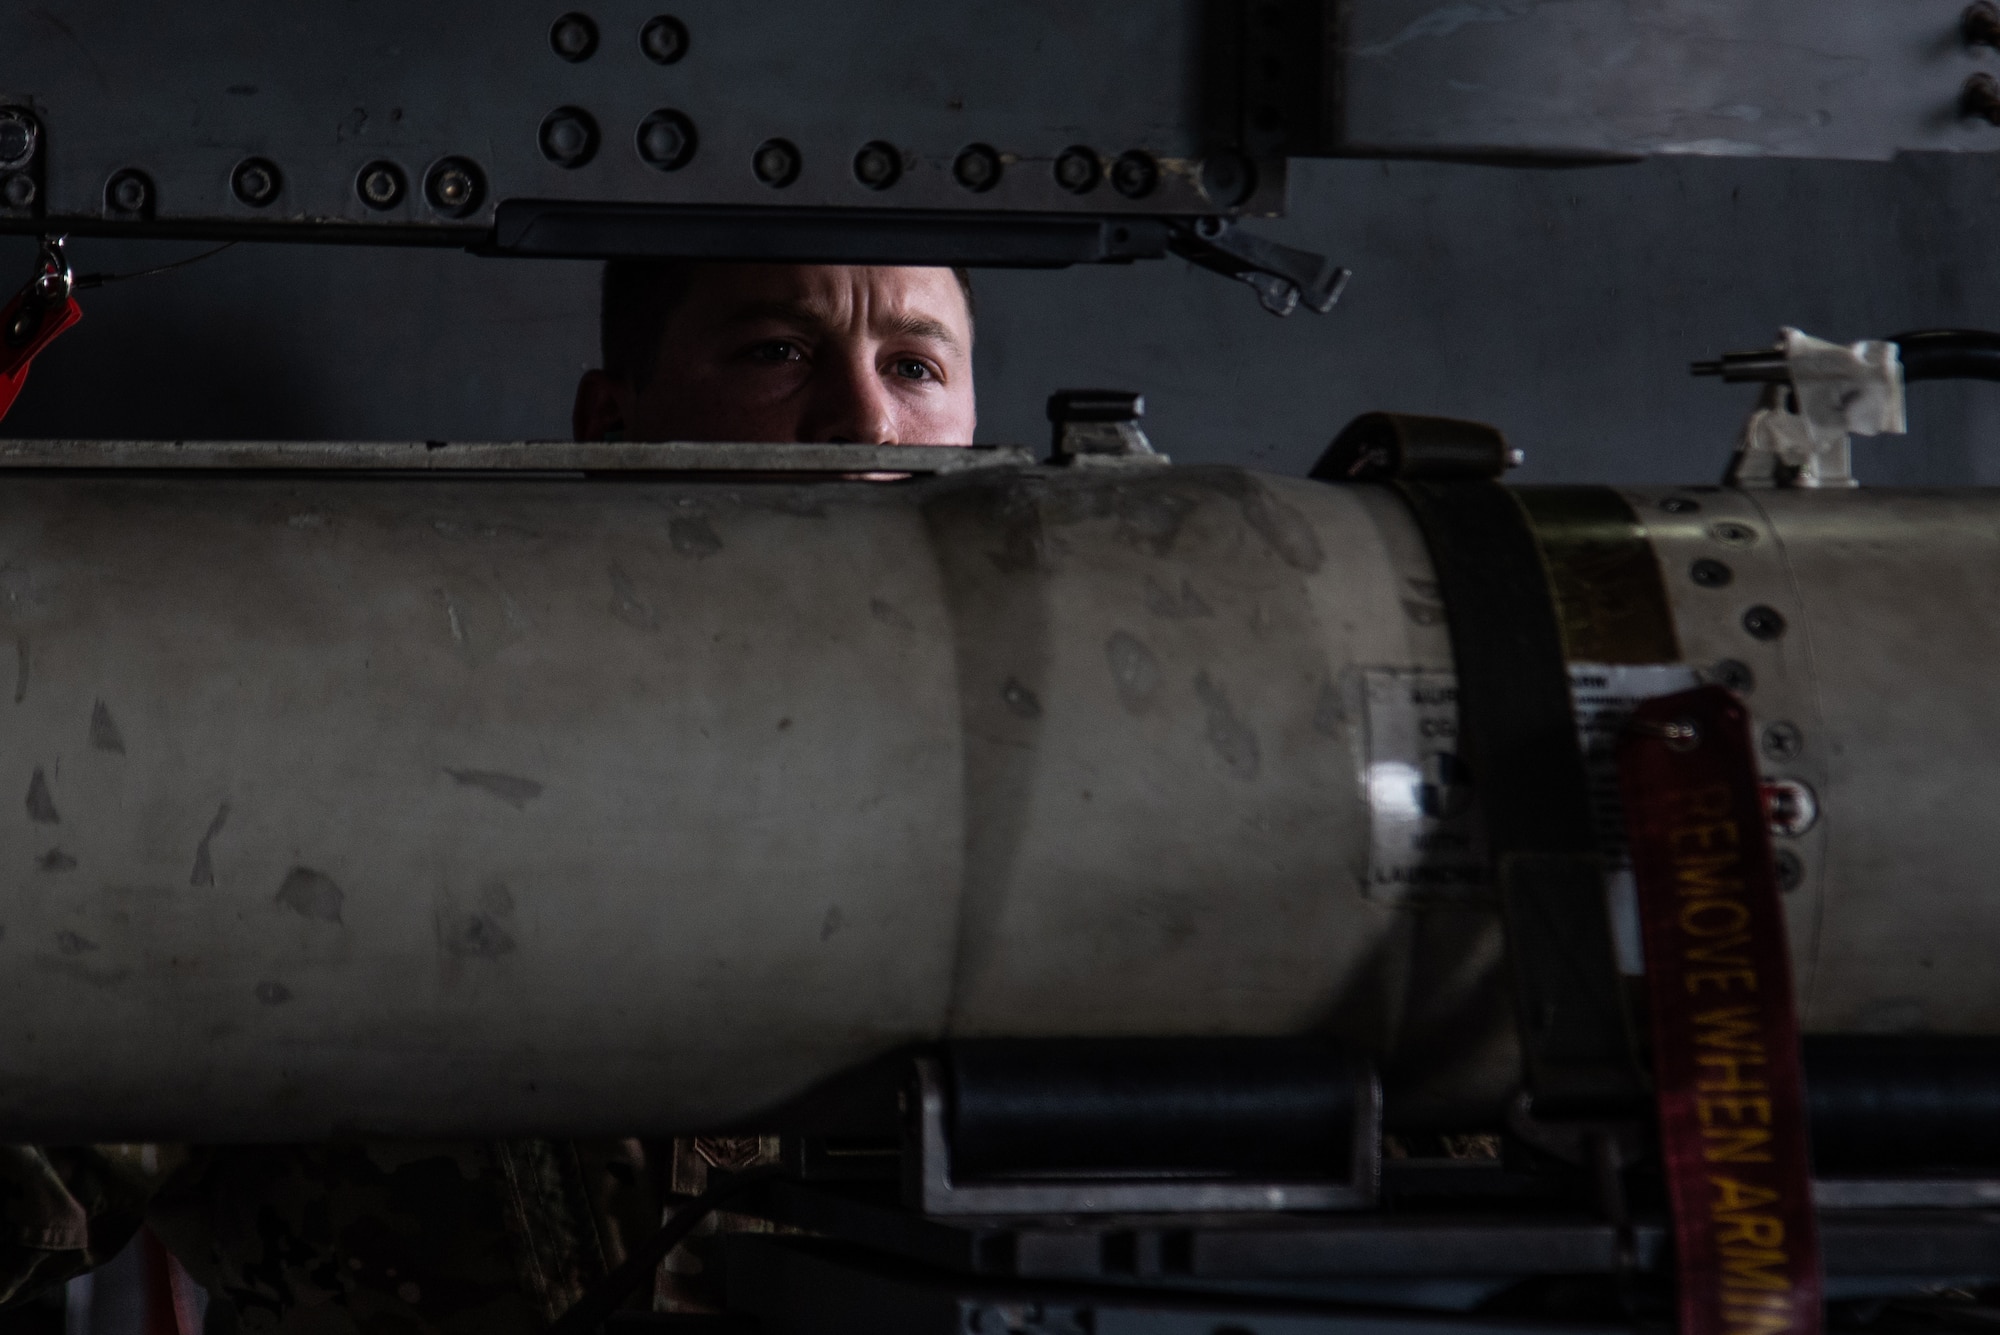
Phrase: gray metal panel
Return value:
(185, 90)
(1830, 78)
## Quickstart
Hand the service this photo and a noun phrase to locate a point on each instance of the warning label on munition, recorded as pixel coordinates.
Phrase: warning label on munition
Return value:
(1426, 840)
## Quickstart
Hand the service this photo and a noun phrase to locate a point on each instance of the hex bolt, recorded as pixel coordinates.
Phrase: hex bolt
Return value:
(454, 186)
(1711, 574)
(18, 191)
(568, 137)
(1791, 871)
(1764, 623)
(1783, 741)
(1734, 674)
(19, 136)
(1980, 24)
(1980, 99)
(573, 37)
(1681, 505)
(1078, 170)
(380, 185)
(129, 192)
(1135, 175)
(776, 163)
(977, 169)
(256, 181)
(664, 39)
(878, 165)
(667, 140)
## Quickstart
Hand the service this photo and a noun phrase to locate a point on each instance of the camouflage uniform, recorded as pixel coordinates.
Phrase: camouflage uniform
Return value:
(401, 1237)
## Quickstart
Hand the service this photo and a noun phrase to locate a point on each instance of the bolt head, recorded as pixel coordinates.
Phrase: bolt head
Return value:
(877, 166)
(1711, 574)
(569, 137)
(453, 187)
(1764, 623)
(1078, 170)
(129, 194)
(573, 37)
(977, 169)
(1681, 505)
(380, 185)
(664, 39)
(667, 140)
(776, 163)
(1735, 675)
(1135, 175)
(1783, 741)
(256, 182)
(18, 191)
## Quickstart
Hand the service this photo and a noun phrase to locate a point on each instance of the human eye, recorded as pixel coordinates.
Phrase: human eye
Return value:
(912, 368)
(775, 351)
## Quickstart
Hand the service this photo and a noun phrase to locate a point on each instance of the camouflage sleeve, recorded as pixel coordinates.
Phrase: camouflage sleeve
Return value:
(64, 1210)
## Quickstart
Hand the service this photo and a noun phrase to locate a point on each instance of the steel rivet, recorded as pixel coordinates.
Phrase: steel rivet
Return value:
(1732, 534)
(256, 181)
(380, 185)
(1791, 872)
(878, 165)
(1680, 505)
(1764, 623)
(1135, 175)
(1227, 179)
(1980, 99)
(667, 140)
(664, 39)
(568, 137)
(573, 37)
(129, 192)
(18, 191)
(454, 186)
(1711, 574)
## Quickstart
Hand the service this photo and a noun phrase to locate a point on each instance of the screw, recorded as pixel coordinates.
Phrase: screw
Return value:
(1791, 872)
(1764, 623)
(568, 137)
(878, 165)
(1680, 505)
(1227, 179)
(664, 39)
(1711, 574)
(19, 135)
(1791, 806)
(977, 169)
(129, 192)
(1980, 24)
(573, 37)
(1135, 175)
(453, 187)
(380, 185)
(667, 140)
(1735, 675)
(1783, 741)
(18, 191)
(1733, 535)
(1078, 170)
(256, 181)
(776, 163)
(1980, 99)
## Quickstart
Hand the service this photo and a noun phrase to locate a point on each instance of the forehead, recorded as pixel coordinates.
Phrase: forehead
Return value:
(830, 293)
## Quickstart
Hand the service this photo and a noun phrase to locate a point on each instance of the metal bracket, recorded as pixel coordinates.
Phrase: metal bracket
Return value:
(1283, 277)
(1817, 394)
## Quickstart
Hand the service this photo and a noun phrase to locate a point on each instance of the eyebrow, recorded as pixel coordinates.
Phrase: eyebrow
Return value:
(799, 312)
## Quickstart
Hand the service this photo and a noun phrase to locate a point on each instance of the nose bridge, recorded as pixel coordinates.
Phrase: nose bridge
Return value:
(853, 403)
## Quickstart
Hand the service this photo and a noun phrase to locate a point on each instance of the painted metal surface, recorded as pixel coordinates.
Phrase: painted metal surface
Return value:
(1609, 78)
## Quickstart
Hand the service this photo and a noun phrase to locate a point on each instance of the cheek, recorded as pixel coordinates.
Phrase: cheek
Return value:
(938, 419)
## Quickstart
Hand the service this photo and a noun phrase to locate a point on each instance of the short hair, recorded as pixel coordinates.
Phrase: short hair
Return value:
(639, 296)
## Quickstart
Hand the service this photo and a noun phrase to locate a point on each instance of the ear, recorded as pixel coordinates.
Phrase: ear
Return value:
(600, 409)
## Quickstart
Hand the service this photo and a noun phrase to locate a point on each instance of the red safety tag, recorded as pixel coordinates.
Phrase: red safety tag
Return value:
(1725, 1031)
(42, 309)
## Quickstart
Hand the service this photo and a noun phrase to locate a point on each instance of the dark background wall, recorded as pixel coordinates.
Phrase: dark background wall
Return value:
(1562, 305)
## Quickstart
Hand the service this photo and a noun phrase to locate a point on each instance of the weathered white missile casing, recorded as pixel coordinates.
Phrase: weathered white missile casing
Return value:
(491, 806)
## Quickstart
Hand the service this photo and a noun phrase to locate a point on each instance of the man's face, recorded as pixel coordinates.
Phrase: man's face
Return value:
(795, 352)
